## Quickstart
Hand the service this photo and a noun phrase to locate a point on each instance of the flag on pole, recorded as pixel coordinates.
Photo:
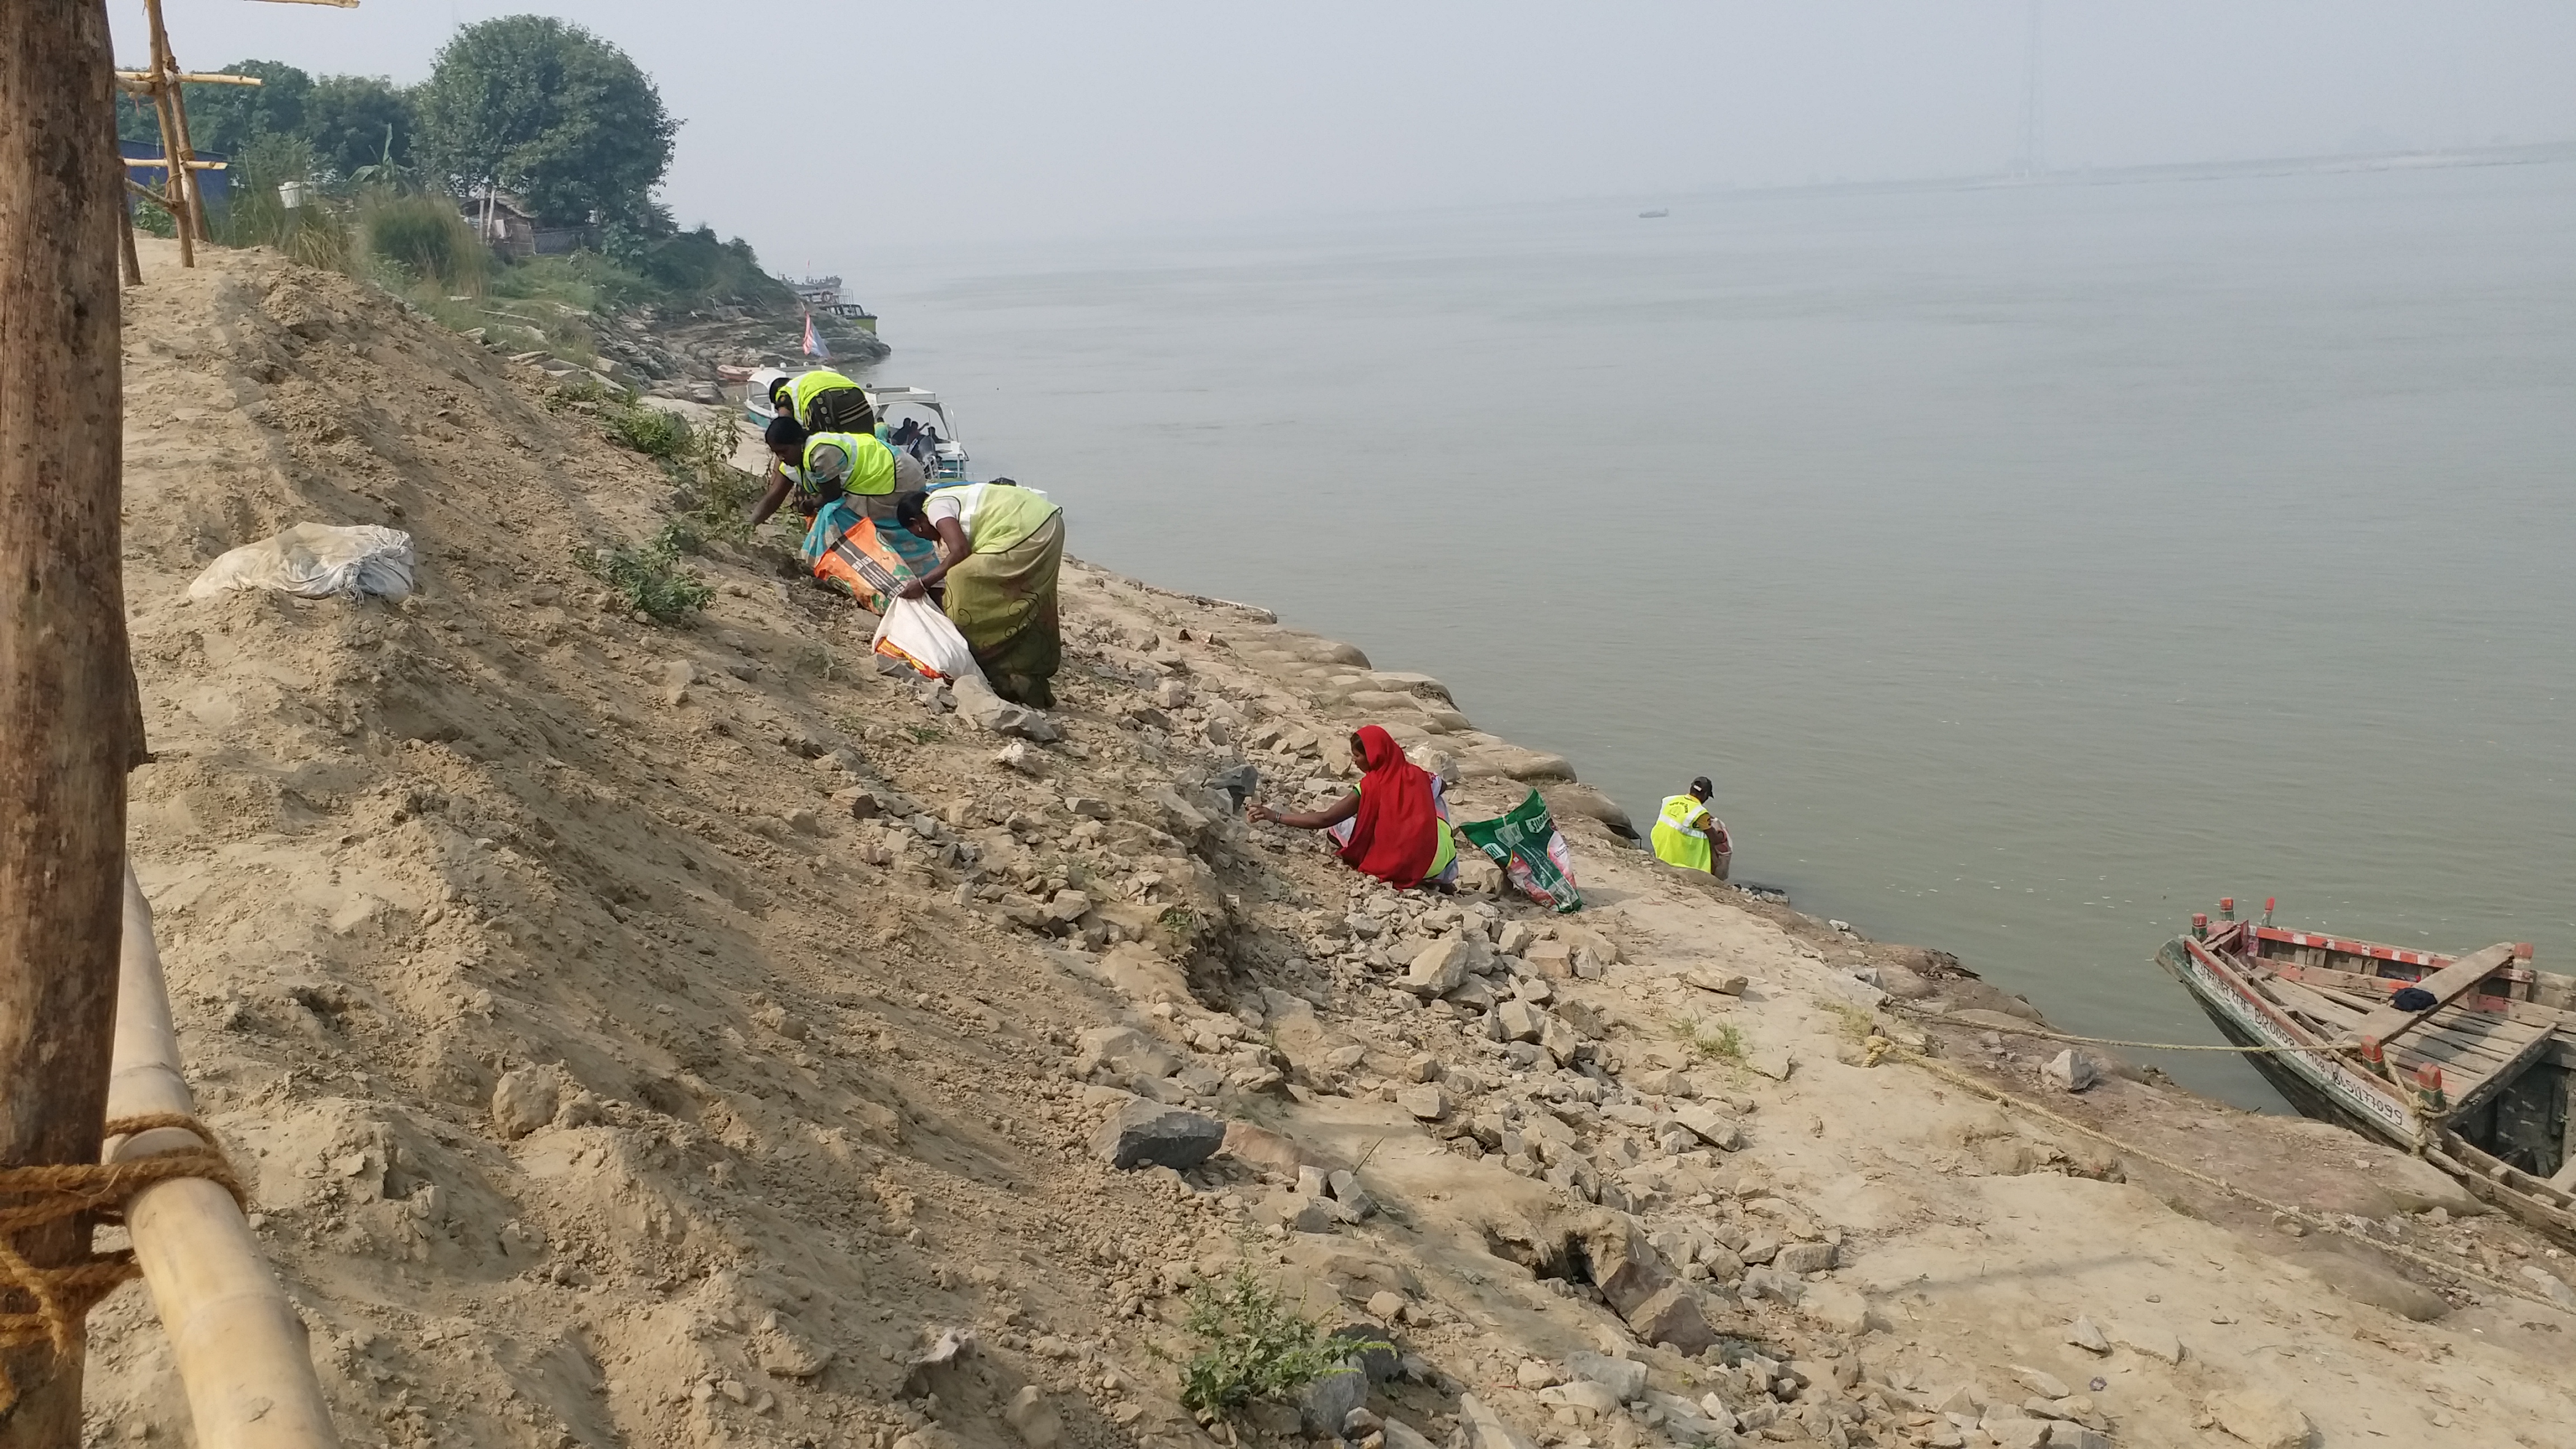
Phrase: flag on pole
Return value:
(814, 340)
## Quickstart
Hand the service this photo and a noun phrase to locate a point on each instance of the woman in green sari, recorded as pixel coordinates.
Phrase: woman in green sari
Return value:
(1001, 547)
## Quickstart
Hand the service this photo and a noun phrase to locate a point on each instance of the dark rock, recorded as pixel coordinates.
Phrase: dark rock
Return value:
(1239, 783)
(1327, 1402)
(1149, 1134)
(1380, 1361)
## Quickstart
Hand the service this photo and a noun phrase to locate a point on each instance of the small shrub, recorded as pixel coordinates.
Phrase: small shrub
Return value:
(1180, 921)
(648, 577)
(1256, 1346)
(924, 734)
(725, 492)
(648, 430)
(577, 391)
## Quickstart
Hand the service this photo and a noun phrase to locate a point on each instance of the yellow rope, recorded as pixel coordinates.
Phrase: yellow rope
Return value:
(2156, 1046)
(43, 1194)
(1880, 1047)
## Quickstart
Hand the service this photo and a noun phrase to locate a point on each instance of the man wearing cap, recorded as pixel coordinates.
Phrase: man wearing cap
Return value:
(1687, 835)
(823, 401)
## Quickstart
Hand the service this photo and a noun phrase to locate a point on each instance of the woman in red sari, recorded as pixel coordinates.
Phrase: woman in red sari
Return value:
(1395, 826)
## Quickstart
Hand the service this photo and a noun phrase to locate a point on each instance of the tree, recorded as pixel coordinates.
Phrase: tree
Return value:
(226, 119)
(345, 117)
(550, 111)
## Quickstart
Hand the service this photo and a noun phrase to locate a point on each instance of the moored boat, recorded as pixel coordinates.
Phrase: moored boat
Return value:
(2469, 1061)
(909, 418)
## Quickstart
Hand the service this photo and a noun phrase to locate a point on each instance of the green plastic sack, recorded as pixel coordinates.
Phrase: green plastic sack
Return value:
(1534, 857)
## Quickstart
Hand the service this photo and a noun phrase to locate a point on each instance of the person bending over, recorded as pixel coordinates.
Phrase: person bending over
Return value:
(1001, 550)
(823, 401)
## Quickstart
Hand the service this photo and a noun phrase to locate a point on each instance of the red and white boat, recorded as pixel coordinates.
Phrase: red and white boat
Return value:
(2468, 1061)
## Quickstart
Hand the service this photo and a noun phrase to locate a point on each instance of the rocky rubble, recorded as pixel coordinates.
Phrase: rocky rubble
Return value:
(661, 353)
(695, 1037)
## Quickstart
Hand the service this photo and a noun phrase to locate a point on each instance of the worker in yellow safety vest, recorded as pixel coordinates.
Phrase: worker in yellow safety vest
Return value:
(823, 401)
(816, 468)
(1687, 835)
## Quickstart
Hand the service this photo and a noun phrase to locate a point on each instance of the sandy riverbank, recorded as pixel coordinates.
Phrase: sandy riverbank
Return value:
(657, 1036)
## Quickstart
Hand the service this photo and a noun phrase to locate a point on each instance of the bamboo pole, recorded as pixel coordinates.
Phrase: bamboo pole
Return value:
(69, 723)
(130, 79)
(238, 1342)
(165, 106)
(174, 134)
(125, 253)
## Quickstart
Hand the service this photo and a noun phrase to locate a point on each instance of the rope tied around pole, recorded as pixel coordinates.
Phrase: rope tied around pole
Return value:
(1903, 1009)
(46, 1193)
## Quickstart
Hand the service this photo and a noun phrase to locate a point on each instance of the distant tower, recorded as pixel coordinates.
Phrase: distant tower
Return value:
(2029, 162)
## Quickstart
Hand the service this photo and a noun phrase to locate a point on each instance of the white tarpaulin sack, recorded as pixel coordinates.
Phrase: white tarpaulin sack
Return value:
(915, 632)
(316, 561)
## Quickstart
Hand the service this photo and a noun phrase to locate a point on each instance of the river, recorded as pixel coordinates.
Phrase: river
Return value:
(2030, 565)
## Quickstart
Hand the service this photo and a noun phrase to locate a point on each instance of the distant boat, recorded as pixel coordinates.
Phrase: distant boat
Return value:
(1658, 211)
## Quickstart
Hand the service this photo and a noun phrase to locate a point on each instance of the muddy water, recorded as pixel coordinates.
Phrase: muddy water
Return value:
(2030, 566)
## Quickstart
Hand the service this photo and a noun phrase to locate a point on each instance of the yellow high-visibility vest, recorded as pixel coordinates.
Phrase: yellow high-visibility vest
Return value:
(1681, 833)
(801, 390)
(865, 466)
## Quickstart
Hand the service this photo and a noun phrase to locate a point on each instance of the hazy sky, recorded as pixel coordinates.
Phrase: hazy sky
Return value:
(919, 124)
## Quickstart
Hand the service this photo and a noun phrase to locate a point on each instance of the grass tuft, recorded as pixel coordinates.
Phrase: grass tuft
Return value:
(1855, 1024)
(1722, 1043)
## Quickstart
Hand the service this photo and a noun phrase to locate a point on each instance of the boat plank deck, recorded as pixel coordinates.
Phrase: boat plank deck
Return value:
(2446, 985)
(2478, 1031)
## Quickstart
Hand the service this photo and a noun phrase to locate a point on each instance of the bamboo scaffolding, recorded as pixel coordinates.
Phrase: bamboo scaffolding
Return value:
(238, 1342)
(141, 80)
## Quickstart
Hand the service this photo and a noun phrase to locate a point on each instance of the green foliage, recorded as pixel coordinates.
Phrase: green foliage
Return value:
(151, 220)
(648, 430)
(229, 120)
(648, 577)
(549, 110)
(583, 281)
(725, 492)
(1724, 1043)
(1180, 921)
(315, 233)
(343, 117)
(924, 734)
(695, 266)
(428, 238)
(136, 119)
(1255, 1346)
(359, 121)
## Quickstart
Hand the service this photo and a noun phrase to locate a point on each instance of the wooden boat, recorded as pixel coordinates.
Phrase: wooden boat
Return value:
(2474, 1070)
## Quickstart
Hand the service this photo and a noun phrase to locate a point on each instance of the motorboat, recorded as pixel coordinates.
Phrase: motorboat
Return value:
(910, 418)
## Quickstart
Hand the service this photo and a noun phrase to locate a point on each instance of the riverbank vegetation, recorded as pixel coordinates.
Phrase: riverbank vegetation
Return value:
(528, 132)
